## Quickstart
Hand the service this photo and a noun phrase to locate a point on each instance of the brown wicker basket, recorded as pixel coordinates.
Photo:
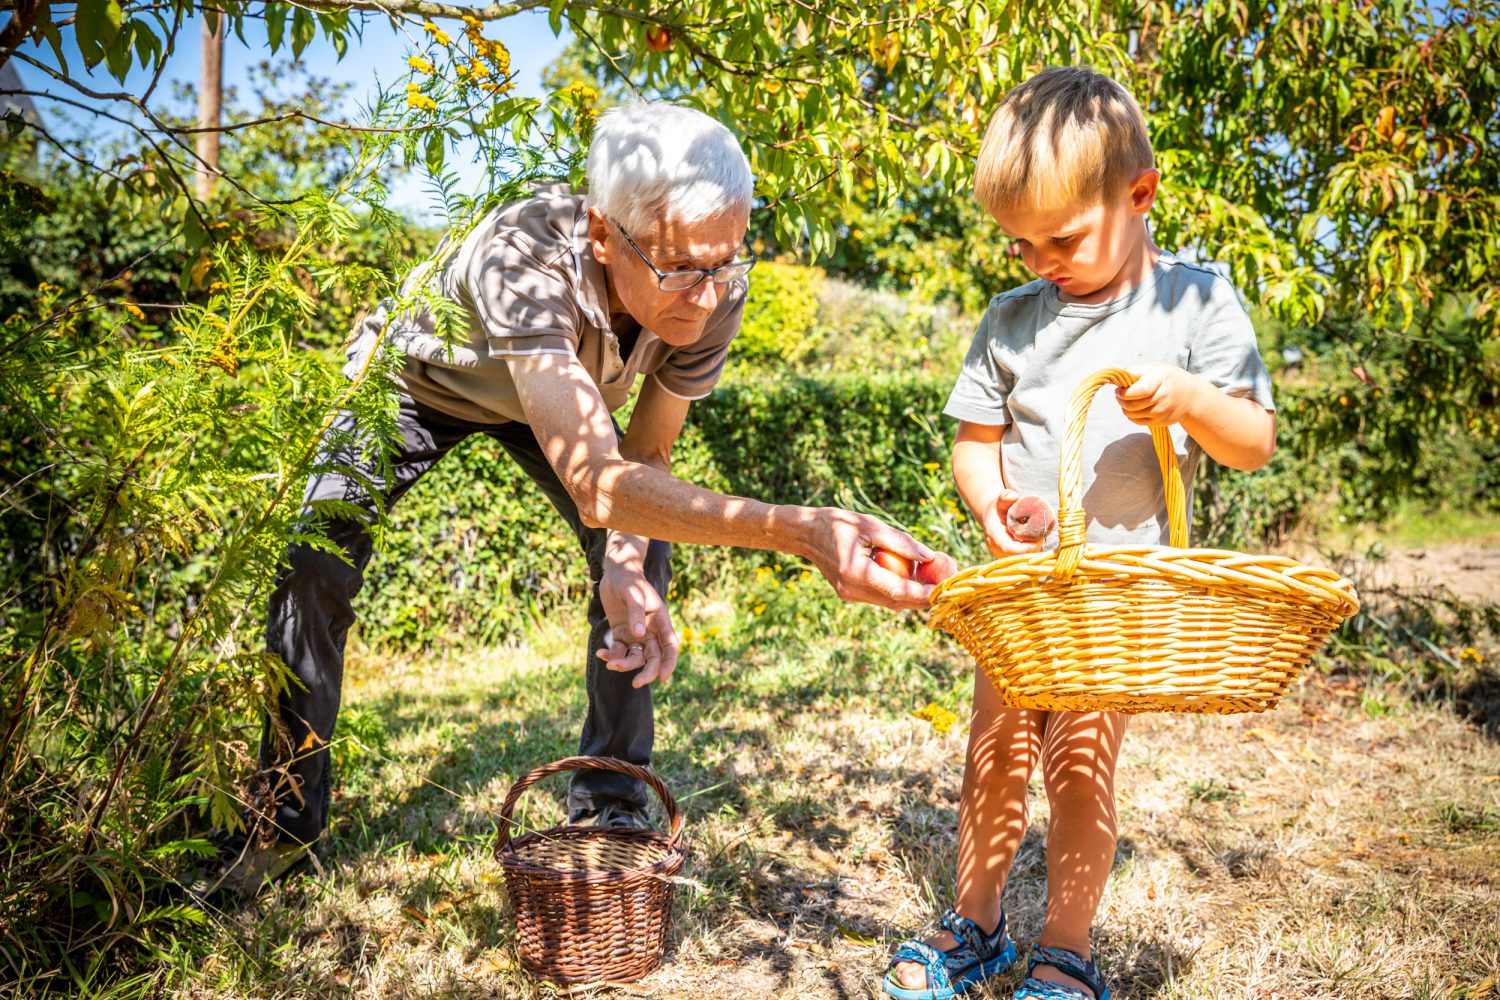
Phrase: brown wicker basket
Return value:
(1139, 628)
(592, 904)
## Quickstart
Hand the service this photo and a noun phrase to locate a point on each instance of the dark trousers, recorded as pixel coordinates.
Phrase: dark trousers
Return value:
(311, 610)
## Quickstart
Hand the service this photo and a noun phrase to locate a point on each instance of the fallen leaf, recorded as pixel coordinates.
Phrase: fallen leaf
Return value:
(416, 915)
(855, 937)
(1266, 735)
(1487, 987)
(312, 742)
(493, 964)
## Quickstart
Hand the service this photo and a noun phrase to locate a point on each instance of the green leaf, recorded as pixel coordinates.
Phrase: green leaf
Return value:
(96, 25)
(275, 24)
(117, 56)
(437, 148)
(304, 26)
(555, 15)
(193, 232)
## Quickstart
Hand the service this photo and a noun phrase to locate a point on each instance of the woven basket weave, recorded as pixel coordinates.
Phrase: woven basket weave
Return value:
(1139, 628)
(592, 904)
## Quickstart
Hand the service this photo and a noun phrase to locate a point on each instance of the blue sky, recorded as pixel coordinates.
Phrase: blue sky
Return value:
(380, 54)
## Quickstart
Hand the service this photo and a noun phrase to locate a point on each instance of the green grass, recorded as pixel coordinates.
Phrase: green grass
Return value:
(1417, 527)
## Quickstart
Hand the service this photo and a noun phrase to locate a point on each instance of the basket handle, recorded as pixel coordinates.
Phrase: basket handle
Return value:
(1071, 521)
(674, 818)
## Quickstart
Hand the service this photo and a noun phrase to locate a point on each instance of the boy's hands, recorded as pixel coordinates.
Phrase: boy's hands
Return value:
(1161, 396)
(997, 534)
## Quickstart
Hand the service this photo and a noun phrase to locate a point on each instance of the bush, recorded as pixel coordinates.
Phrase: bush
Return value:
(780, 324)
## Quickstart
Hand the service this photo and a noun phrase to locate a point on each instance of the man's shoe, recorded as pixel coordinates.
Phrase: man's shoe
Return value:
(614, 814)
(241, 867)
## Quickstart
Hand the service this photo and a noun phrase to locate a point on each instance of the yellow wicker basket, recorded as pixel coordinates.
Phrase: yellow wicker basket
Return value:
(1139, 628)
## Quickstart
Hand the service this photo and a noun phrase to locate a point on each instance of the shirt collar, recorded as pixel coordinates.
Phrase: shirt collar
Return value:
(593, 283)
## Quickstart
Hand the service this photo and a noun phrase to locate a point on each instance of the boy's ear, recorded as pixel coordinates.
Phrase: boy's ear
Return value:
(1143, 190)
(599, 235)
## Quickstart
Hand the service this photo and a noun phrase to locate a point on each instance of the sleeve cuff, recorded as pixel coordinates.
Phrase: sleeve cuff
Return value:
(673, 392)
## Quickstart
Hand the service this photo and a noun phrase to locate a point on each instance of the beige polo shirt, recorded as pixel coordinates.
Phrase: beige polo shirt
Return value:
(525, 282)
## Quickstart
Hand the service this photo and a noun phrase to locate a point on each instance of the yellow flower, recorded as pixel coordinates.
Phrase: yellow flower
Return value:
(134, 310)
(760, 608)
(421, 101)
(472, 21)
(438, 34)
(939, 717)
(491, 87)
(478, 69)
(771, 86)
(582, 93)
(417, 62)
(931, 466)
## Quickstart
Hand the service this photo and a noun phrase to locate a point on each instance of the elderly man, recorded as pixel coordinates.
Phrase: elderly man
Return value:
(568, 301)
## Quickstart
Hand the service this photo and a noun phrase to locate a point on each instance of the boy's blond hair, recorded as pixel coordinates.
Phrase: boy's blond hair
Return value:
(1067, 135)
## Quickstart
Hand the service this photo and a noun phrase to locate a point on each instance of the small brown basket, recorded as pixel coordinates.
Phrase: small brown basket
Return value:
(1139, 628)
(592, 904)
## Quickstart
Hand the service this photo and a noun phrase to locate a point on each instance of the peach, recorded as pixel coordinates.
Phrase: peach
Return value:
(1029, 519)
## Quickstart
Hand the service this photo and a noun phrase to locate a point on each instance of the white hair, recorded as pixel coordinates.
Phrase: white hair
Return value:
(653, 159)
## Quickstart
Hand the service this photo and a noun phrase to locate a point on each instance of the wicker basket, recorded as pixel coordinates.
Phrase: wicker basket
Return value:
(592, 904)
(1139, 628)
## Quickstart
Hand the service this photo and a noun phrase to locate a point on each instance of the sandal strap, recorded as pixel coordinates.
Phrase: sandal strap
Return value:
(973, 946)
(925, 955)
(971, 935)
(1069, 963)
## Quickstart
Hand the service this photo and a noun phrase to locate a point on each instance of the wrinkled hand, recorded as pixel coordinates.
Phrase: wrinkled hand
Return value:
(997, 535)
(641, 636)
(840, 543)
(1161, 396)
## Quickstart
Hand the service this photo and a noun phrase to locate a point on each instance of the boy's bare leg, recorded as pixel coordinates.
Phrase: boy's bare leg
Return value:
(1079, 754)
(1004, 745)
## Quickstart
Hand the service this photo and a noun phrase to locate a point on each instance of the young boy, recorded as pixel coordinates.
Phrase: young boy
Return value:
(1067, 172)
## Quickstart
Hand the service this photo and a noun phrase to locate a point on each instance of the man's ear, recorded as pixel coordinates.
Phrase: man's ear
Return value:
(1143, 189)
(599, 235)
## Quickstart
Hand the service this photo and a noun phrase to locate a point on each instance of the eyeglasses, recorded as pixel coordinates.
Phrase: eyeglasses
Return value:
(681, 281)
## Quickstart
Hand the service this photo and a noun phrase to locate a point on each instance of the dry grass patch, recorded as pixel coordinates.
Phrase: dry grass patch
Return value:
(1311, 852)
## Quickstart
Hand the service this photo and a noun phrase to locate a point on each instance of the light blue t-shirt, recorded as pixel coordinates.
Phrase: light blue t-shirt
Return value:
(1032, 350)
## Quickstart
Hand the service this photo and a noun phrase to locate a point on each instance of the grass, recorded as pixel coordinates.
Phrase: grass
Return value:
(1322, 850)
(1417, 527)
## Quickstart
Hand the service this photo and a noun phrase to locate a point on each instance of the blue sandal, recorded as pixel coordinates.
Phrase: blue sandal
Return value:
(1069, 963)
(976, 957)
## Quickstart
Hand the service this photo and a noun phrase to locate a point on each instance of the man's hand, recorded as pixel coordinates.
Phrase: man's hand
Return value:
(641, 636)
(840, 544)
(997, 534)
(1162, 395)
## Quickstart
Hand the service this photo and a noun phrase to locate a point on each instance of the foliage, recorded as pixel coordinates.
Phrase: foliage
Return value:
(780, 324)
(156, 454)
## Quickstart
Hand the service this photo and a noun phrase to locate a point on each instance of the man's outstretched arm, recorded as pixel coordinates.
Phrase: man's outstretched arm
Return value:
(572, 425)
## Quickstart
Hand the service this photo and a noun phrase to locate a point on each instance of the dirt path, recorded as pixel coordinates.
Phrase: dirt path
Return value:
(1470, 571)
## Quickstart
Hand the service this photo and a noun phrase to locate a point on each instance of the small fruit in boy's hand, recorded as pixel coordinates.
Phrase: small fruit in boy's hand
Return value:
(937, 569)
(1029, 519)
(900, 565)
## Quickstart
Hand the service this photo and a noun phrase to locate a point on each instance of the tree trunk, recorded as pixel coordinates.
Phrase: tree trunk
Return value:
(210, 97)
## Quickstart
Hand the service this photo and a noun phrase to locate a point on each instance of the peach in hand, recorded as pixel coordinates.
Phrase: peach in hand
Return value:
(887, 560)
(937, 569)
(1029, 519)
